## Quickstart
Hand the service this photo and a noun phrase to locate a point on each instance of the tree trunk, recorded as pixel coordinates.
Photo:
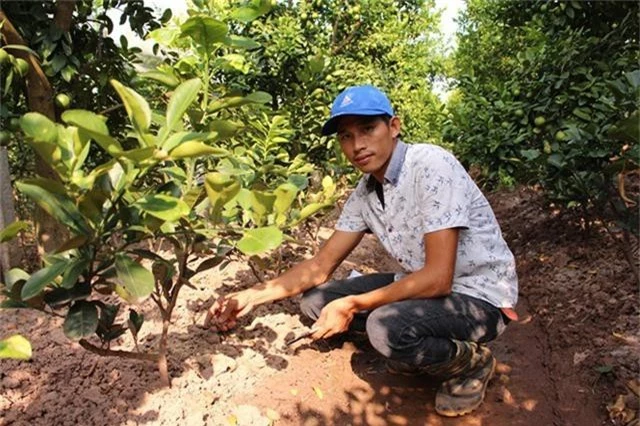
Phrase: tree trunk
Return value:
(8, 251)
(40, 95)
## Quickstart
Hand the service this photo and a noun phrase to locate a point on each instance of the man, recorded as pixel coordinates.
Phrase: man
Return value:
(459, 283)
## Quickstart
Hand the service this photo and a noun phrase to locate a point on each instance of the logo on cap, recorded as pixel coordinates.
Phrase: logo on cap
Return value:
(346, 101)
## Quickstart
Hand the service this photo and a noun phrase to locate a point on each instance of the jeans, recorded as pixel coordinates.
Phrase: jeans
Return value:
(417, 332)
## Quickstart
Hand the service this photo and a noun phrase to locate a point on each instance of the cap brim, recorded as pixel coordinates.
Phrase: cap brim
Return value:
(331, 126)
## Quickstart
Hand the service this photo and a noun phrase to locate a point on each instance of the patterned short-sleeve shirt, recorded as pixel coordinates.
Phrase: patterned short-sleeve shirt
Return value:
(425, 190)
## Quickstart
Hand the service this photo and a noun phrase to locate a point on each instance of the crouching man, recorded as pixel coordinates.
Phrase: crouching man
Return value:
(459, 283)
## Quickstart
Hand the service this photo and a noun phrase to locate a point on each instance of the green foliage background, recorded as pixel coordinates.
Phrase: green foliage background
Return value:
(547, 93)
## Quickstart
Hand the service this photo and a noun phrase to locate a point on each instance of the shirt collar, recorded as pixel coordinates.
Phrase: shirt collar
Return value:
(392, 174)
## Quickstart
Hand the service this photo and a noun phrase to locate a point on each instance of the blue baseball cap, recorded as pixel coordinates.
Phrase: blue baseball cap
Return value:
(357, 100)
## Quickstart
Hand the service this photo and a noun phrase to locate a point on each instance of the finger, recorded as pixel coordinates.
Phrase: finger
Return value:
(245, 310)
(208, 320)
(227, 312)
(321, 331)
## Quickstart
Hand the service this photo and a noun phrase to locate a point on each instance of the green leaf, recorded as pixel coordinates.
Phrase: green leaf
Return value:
(239, 42)
(15, 347)
(73, 271)
(257, 204)
(168, 79)
(135, 322)
(633, 78)
(139, 155)
(14, 276)
(285, 195)
(238, 101)
(205, 31)
(56, 204)
(137, 107)
(196, 149)
(59, 296)
(582, 113)
(182, 137)
(192, 196)
(556, 160)
(212, 262)
(311, 209)
(39, 128)
(164, 207)
(530, 154)
(40, 279)
(21, 47)
(13, 304)
(12, 230)
(225, 128)
(627, 130)
(259, 240)
(81, 320)
(182, 97)
(251, 13)
(237, 62)
(604, 369)
(328, 187)
(221, 188)
(136, 279)
(93, 126)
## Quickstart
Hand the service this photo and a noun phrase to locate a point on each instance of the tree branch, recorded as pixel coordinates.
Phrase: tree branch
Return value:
(120, 354)
(64, 14)
(39, 91)
(347, 40)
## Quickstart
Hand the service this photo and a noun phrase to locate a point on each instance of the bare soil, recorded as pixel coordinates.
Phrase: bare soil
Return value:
(573, 352)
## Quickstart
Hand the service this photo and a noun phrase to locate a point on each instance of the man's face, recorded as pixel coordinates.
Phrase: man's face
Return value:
(368, 142)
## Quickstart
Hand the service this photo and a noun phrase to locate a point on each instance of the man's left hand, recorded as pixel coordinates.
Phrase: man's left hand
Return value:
(334, 318)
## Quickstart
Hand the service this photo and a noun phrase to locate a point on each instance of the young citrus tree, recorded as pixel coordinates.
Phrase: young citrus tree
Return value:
(142, 194)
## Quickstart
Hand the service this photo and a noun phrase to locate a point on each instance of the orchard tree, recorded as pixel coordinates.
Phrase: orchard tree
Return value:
(308, 51)
(57, 54)
(547, 93)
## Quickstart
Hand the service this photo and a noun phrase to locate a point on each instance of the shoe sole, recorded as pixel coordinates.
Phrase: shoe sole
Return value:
(467, 410)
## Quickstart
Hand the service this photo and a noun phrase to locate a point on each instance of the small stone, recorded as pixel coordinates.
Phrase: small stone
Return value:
(504, 395)
(212, 338)
(10, 383)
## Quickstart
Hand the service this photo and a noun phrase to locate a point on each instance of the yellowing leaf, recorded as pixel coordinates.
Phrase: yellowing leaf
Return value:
(272, 415)
(15, 347)
(318, 392)
(232, 420)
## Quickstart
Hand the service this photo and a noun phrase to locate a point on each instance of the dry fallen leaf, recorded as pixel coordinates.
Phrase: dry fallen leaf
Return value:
(272, 415)
(318, 392)
(617, 408)
(578, 357)
(634, 386)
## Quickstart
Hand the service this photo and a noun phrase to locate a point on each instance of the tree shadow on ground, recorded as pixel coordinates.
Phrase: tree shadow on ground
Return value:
(521, 392)
(64, 384)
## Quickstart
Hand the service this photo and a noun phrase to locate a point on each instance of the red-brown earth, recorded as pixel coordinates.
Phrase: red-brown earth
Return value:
(573, 352)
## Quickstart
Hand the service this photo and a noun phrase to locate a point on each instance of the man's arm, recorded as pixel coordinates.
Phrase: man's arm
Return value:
(301, 277)
(435, 279)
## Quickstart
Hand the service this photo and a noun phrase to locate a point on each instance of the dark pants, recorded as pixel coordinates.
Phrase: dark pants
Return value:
(417, 331)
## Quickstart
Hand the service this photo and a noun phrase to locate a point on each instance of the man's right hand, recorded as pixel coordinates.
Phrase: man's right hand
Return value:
(224, 313)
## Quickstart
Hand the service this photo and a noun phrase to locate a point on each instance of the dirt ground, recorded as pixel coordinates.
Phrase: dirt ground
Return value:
(573, 352)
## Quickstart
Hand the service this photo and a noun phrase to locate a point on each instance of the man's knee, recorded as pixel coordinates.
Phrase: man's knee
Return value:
(382, 330)
(312, 303)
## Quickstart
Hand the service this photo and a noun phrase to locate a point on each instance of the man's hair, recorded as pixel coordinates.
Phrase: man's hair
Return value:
(386, 118)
